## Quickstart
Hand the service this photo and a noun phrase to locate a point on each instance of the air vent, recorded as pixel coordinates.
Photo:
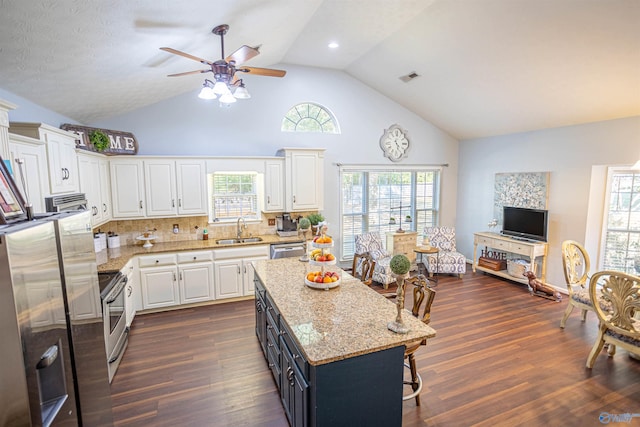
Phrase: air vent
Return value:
(409, 77)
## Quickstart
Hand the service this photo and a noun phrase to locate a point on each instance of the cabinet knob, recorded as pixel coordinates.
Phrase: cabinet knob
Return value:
(140, 204)
(194, 258)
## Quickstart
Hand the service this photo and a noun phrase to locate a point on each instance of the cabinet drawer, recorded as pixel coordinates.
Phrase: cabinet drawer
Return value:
(156, 260)
(298, 357)
(187, 257)
(501, 244)
(486, 241)
(406, 240)
(519, 248)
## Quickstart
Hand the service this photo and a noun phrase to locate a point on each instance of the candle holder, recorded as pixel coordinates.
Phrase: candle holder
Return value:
(398, 325)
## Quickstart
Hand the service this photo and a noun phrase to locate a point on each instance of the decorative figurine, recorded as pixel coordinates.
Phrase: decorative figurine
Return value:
(400, 266)
(540, 289)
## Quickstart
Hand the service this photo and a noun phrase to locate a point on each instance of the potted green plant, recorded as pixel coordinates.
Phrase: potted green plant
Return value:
(392, 221)
(407, 218)
(315, 219)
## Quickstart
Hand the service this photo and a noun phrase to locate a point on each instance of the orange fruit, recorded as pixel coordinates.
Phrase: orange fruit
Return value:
(334, 278)
(311, 277)
(327, 279)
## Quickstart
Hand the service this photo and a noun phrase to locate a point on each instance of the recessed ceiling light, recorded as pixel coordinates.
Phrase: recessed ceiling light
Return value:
(333, 45)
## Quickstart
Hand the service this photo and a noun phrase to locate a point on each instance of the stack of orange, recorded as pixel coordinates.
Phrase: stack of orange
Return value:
(323, 239)
(318, 277)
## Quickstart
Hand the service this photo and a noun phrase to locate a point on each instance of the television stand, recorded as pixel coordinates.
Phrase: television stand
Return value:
(535, 251)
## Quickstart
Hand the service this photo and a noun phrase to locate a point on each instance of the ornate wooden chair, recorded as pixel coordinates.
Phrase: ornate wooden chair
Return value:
(620, 323)
(422, 293)
(362, 268)
(575, 261)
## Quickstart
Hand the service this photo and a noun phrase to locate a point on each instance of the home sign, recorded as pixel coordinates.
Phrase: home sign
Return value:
(118, 142)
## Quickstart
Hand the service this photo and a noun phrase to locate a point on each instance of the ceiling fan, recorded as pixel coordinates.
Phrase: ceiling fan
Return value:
(224, 70)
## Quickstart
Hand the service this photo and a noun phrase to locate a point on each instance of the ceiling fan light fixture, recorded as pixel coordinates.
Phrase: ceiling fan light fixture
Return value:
(221, 88)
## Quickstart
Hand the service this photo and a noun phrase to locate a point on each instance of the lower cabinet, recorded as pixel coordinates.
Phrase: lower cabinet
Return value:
(168, 280)
(233, 270)
(132, 292)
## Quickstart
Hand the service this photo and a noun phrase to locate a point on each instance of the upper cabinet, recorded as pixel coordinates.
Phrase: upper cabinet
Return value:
(274, 185)
(154, 187)
(33, 155)
(61, 154)
(176, 187)
(95, 184)
(304, 179)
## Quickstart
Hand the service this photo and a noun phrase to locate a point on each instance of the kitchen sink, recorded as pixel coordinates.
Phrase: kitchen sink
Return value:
(237, 241)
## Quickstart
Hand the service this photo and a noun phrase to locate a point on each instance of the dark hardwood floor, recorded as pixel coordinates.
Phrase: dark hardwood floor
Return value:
(499, 359)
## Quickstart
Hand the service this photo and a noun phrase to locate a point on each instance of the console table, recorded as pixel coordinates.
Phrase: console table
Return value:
(535, 251)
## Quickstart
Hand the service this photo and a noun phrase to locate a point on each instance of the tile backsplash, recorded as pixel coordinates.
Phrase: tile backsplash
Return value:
(190, 228)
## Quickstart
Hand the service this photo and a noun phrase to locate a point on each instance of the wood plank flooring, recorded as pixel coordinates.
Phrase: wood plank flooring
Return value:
(499, 359)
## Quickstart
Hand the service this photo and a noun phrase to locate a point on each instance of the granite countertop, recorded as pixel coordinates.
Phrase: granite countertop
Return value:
(335, 324)
(111, 260)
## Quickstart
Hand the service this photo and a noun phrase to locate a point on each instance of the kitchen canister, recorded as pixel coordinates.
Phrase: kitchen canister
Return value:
(98, 244)
(113, 241)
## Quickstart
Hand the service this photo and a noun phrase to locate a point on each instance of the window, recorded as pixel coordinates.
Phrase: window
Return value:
(621, 230)
(370, 198)
(309, 117)
(233, 195)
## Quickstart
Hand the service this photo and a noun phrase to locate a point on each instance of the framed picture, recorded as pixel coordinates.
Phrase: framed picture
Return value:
(11, 201)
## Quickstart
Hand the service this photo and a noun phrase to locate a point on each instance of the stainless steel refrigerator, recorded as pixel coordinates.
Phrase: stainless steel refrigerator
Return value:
(53, 368)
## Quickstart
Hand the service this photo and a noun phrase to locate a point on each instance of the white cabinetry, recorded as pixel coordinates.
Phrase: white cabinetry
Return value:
(33, 153)
(95, 184)
(274, 186)
(175, 187)
(61, 154)
(304, 178)
(159, 281)
(127, 188)
(195, 274)
(132, 292)
(234, 272)
(172, 279)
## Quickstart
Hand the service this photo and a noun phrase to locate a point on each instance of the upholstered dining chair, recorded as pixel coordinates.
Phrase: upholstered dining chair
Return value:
(422, 293)
(620, 322)
(371, 243)
(448, 260)
(575, 261)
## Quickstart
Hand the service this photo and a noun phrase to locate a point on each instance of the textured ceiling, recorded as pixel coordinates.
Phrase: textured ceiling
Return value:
(486, 67)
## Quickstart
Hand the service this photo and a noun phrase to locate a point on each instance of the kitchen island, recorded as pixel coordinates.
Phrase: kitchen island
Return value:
(330, 352)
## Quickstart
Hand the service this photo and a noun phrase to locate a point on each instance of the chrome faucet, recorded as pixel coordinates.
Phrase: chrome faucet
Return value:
(239, 228)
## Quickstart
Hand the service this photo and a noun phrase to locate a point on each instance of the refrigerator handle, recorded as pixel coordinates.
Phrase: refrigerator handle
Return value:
(48, 357)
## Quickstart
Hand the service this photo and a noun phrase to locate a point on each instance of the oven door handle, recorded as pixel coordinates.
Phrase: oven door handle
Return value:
(123, 343)
(117, 289)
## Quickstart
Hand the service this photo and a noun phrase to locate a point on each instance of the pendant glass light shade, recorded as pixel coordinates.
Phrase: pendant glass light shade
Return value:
(221, 88)
(227, 98)
(206, 93)
(241, 93)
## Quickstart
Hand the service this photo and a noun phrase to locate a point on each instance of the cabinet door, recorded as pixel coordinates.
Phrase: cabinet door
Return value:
(89, 170)
(191, 176)
(104, 186)
(160, 179)
(85, 300)
(248, 275)
(127, 188)
(159, 287)
(228, 278)
(274, 186)
(34, 169)
(130, 292)
(63, 164)
(304, 179)
(196, 282)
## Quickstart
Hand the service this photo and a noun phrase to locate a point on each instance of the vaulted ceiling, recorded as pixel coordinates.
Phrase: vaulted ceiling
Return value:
(485, 67)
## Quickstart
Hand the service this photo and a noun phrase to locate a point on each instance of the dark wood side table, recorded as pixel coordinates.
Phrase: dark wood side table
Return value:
(423, 268)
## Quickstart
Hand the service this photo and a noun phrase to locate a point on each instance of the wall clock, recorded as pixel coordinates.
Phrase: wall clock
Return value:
(395, 143)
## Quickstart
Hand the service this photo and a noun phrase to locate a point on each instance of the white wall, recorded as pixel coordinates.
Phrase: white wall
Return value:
(187, 125)
(570, 154)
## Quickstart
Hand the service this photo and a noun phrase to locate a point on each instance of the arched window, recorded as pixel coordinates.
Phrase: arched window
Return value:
(309, 117)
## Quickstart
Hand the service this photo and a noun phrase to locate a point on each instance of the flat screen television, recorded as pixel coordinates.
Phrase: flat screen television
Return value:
(524, 223)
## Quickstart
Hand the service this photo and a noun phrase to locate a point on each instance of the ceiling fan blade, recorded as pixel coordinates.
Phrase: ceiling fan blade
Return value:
(186, 73)
(262, 71)
(243, 54)
(186, 55)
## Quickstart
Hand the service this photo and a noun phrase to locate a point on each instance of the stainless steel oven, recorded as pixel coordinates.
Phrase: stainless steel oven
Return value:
(116, 332)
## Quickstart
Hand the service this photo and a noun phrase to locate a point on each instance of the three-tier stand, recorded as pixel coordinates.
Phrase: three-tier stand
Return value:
(325, 249)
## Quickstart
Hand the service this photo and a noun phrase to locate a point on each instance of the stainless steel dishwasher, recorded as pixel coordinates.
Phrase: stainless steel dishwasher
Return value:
(285, 250)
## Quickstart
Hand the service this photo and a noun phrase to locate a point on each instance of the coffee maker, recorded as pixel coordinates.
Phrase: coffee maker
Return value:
(285, 224)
